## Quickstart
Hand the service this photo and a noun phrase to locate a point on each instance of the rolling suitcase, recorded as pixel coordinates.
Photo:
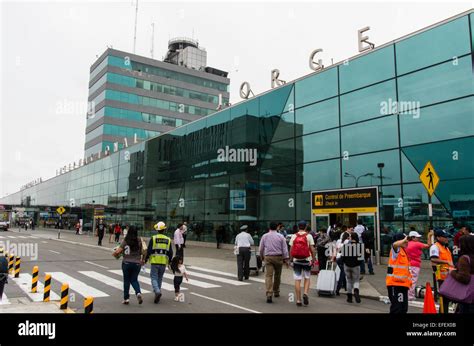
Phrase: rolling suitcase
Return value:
(326, 284)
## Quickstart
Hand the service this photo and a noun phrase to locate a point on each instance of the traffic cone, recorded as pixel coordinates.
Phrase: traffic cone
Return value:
(429, 306)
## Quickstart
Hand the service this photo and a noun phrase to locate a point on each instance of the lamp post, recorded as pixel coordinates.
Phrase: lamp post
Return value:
(348, 175)
(381, 165)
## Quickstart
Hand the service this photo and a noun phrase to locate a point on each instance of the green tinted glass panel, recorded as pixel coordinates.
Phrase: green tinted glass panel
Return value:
(368, 164)
(433, 46)
(319, 146)
(378, 134)
(317, 117)
(316, 87)
(444, 121)
(318, 176)
(367, 103)
(439, 83)
(368, 69)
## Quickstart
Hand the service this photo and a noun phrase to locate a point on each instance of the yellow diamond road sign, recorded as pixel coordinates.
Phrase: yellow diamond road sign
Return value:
(429, 178)
(60, 210)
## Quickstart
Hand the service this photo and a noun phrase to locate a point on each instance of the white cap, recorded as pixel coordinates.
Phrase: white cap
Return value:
(414, 234)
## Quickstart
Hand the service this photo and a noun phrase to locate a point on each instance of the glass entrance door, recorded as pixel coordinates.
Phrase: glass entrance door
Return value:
(320, 221)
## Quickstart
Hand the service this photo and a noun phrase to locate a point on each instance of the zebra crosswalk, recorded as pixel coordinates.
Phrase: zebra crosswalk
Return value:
(104, 283)
(18, 237)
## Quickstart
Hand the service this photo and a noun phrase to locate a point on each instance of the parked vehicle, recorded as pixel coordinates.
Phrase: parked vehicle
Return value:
(4, 225)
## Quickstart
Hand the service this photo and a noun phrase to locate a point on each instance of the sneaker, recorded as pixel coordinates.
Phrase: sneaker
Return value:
(157, 297)
(277, 295)
(372, 273)
(349, 297)
(176, 299)
(299, 304)
(126, 302)
(269, 300)
(139, 298)
(305, 299)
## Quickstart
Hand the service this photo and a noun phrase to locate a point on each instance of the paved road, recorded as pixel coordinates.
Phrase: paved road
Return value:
(92, 271)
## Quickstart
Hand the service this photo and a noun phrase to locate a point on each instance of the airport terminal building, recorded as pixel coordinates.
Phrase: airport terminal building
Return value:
(368, 124)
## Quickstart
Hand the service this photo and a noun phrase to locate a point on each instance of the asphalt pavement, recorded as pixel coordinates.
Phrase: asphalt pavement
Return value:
(90, 270)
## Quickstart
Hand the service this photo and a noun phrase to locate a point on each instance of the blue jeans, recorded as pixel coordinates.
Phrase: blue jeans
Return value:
(156, 273)
(130, 277)
(368, 260)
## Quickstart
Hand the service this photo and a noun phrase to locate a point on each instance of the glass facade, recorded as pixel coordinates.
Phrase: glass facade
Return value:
(401, 105)
(124, 88)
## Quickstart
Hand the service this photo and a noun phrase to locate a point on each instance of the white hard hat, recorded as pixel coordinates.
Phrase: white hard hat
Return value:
(160, 226)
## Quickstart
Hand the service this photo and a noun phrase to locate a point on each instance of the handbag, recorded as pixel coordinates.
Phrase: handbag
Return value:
(236, 250)
(456, 291)
(144, 248)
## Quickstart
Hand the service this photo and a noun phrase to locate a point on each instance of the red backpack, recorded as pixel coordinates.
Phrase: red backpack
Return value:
(300, 248)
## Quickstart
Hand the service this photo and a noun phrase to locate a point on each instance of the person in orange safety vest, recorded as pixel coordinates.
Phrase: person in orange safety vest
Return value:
(398, 279)
(440, 255)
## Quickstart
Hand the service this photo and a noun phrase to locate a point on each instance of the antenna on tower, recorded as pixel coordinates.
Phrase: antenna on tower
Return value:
(152, 39)
(135, 33)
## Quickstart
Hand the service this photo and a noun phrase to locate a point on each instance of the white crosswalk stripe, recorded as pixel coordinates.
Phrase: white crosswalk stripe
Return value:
(216, 278)
(77, 285)
(146, 280)
(107, 280)
(22, 237)
(223, 273)
(190, 282)
(1, 237)
(33, 237)
(24, 282)
(4, 300)
(11, 237)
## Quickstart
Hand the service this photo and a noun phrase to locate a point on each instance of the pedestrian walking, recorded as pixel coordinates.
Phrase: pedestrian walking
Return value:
(179, 271)
(243, 242)
(342, 282)
(117, 232)
(368, 241)
(322, 241)
(78, 227)
(220, 231)
(159, 253)
(302, 253)
(3, 272)
(441, 255)
(100, 229)
(398, 278)
(179, 241)
(414, 250)
(464, 272)
(184, 231)
(274, 251)
(464, 230)
(352, 255)
(111, 233)
(133, 259)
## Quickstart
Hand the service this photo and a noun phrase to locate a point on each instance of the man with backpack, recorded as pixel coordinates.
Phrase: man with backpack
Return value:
(301, 258)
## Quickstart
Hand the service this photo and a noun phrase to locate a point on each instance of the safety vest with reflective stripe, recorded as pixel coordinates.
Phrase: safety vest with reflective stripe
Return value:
(445, 255)
(160, 249)
(398, 270)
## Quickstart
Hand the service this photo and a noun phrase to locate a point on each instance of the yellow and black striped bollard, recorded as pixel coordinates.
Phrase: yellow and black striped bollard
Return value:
(34, 280)
(17, 267)
(47, 287)
(88, 305)
(64, 296)
(10, 264)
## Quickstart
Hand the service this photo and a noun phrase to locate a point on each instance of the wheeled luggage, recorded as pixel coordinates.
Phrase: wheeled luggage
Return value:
(327, 282)
(255, 263)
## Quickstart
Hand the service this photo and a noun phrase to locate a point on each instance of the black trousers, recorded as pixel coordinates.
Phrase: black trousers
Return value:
(179, 251)
(101, 235)
(322, 258)
(243, 262)
(398, 296)
(177, 281)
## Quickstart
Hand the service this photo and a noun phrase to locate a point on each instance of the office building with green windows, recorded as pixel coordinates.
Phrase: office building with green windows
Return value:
(133, 98)
(374, 120)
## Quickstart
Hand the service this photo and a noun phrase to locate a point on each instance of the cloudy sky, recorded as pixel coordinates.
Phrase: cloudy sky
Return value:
(47, 47)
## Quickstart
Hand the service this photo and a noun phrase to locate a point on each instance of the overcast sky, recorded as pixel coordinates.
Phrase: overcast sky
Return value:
(47, 47)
